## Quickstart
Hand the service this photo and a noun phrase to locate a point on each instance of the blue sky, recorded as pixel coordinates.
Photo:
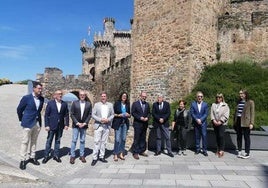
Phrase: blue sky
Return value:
(35, 34)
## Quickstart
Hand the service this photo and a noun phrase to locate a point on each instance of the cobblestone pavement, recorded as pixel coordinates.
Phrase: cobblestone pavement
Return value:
(153, 171)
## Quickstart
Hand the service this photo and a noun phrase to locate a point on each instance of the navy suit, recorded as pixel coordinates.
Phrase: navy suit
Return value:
(200, 130)
(30, 117)
(140, 127)
(27, 112)
(56, 121)
(161, 128)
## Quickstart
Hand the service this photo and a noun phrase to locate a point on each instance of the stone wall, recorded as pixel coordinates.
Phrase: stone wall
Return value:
(53, 79)
(116, 78)
(243, 31)
(173, 41)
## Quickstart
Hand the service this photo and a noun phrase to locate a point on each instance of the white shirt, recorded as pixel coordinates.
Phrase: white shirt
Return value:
(58, 105)
(82, 106)
(199, 106)
(104, 111)
(36, 101)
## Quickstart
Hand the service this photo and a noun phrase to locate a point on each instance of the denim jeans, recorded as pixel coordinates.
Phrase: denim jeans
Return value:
(58, 134)
(201, 133)
(82, 133)
(120, 139)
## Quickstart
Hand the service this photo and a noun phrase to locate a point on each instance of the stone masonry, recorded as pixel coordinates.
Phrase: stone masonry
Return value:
(167, 48)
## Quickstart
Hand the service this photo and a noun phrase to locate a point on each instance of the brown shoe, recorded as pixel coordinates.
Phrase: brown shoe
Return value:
(144, 154)
(83, 159)
(115, 158)
(221, 153)
(136, 156)
(72, 159)
(121, 156)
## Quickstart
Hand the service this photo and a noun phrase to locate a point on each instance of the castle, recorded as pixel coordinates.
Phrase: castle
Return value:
(167, 48)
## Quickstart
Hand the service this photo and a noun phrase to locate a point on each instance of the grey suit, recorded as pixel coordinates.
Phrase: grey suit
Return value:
(101, 130)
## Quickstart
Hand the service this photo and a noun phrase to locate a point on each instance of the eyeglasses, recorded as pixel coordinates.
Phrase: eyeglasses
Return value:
(199, 96)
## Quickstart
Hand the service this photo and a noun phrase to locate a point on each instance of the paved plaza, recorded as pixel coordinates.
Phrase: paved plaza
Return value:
(153, 171)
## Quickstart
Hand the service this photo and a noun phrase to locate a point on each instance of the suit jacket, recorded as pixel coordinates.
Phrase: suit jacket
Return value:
(137, 113)
(117, 121)
(248, 114)
(163, 113)
(54, 119)
(27, 112)
(203, 114)
(96, 114)
(76, 113)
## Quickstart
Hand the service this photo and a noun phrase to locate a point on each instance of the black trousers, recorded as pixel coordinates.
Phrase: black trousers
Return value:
(240, 132)
(139, 144)
(219, 133)
(181, 135)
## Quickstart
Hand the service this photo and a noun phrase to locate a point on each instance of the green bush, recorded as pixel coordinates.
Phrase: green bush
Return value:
(229, 78)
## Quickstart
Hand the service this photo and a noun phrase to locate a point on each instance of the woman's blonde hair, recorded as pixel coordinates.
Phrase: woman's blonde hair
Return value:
(219, 95)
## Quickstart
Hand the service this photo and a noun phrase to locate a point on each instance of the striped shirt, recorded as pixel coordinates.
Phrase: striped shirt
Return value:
(240, 108)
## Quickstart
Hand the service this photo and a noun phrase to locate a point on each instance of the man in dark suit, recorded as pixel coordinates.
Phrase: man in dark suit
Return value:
(140, 110)
(29, 113)
(161, 113)
(80, 113)
(199, 112)
(56, 119)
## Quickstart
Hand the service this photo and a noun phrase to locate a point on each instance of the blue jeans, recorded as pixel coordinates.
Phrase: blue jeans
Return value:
(58, 134)
(201, 132)
(120, 139)
(76, 133)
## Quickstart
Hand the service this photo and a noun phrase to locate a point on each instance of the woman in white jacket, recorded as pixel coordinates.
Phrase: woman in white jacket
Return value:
(219, 117)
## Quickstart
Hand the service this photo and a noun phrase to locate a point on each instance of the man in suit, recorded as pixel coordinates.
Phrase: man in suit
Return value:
(140, 111)
(29, 113)
(103, 114)
(80, 114)
(56, 119)
(199, 112)
(161, 114)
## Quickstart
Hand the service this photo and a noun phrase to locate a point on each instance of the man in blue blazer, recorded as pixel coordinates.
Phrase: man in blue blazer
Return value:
(29, 113)
(56, 119)
(161, 113)
(199, 112)
(140, 111)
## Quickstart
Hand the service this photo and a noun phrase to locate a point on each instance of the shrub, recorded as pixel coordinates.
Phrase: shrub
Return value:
(229, 78)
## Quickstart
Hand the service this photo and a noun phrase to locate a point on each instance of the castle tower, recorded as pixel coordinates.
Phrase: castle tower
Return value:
(88, 59)
(102, 61)
(172, 43)
(109, 30)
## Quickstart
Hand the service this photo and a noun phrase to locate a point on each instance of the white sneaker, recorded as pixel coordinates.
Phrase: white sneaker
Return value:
(179, 152)
(183, 153)
(240, 154)
(246, 156)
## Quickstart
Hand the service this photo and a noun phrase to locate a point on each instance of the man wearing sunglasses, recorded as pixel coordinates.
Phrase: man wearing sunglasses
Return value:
(199, 112)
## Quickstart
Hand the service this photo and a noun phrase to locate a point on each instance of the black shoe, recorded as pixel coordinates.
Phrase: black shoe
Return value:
(170, 154)
(57, 159)
(205, 154)
(197, 152)
(22, 165)
(34, 161)
(93, 162)
(157, 153)
(45, 160)
(103, 160)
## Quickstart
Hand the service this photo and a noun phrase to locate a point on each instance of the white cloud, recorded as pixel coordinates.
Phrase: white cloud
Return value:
(15, 52)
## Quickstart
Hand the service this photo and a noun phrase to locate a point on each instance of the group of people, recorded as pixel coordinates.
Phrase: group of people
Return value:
(107, 115)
